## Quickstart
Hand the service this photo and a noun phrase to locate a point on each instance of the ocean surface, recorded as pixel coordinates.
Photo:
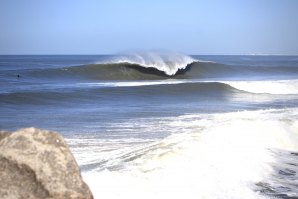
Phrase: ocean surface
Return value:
(164, 125)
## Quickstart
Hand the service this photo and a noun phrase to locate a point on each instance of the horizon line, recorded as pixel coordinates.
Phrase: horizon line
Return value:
(107, 54)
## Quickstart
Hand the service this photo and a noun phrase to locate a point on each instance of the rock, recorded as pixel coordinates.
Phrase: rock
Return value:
(38, 164)
(4, 134)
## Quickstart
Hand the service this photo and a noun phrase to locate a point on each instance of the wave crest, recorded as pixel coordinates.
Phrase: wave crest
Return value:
(169, 63)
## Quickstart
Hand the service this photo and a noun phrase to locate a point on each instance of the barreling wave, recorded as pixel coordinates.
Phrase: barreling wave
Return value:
(141, 66)
(132, 71)
(124, 71)
(152, 66)
(138, 66)
(168, 63)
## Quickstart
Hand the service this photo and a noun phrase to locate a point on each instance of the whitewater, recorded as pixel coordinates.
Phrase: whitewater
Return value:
(164, 125)
(221, 156)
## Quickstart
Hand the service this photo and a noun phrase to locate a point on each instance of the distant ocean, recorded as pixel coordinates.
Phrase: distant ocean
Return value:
(164, 125)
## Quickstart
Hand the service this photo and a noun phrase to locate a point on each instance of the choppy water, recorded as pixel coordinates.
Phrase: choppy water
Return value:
(164, 125)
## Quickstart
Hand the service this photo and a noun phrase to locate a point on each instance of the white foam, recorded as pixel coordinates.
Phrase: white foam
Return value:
(167, 62)
(270, 87)
(135, 83)
(216, 156)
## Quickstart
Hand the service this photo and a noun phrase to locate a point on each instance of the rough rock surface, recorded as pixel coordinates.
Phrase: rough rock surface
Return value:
(38, 164)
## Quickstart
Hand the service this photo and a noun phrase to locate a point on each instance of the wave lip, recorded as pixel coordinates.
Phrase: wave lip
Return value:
(169, 63)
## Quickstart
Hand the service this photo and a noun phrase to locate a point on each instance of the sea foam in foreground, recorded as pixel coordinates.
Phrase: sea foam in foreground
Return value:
(246, 154)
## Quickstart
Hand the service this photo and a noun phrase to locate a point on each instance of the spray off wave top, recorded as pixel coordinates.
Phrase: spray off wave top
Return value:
(169, 63)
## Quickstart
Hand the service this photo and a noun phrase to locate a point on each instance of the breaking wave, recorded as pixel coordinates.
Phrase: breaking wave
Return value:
(130, 70)
(169, 63)
(153, 66)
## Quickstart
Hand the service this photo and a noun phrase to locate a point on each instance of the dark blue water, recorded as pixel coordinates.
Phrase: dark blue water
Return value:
(121, 112)
(67, 94)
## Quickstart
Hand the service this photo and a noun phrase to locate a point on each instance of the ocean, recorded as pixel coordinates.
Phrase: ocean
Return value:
(164, 125)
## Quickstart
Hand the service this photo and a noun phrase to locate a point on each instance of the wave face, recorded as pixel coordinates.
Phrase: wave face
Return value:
(132, 71)
(107, 91)
(157, 67)
(136, 66)
(169, 63)
(194, 70)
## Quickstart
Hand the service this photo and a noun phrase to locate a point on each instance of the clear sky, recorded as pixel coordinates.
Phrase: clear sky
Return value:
(113, 26)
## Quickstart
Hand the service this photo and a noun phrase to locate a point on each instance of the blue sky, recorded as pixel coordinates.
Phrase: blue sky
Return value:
(113, 26)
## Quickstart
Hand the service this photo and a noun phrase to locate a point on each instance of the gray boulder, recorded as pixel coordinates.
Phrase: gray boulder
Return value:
(38, 164)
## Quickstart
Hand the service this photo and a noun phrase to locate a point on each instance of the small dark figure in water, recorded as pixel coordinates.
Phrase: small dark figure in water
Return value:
(18, 76)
